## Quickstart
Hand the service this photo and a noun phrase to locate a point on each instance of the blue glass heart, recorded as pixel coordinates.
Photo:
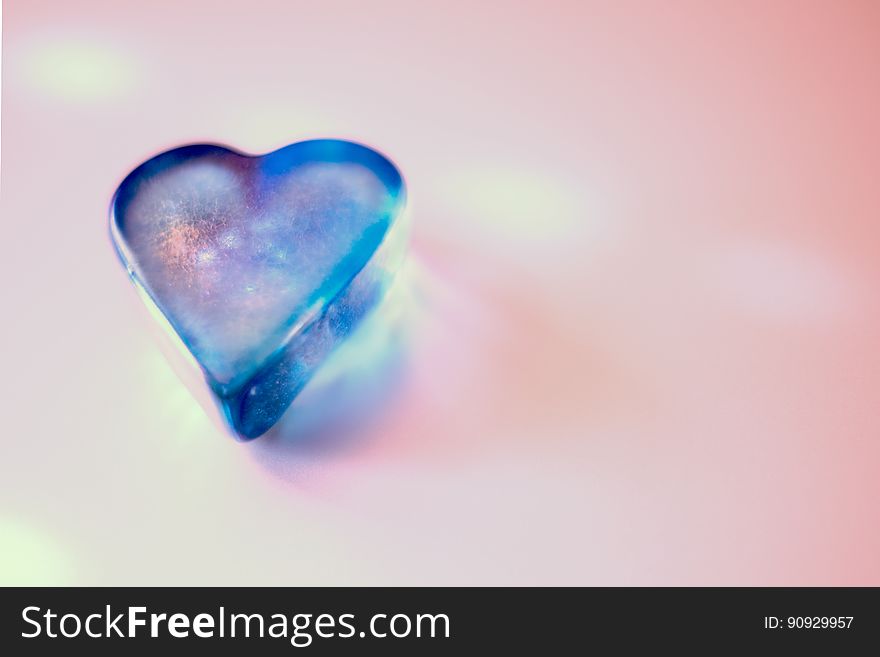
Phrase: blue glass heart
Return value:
(261, 264)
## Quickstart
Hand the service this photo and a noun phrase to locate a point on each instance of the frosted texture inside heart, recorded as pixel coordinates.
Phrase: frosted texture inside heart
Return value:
(248, 256)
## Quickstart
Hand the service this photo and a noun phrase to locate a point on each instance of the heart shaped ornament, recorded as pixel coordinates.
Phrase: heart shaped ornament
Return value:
(261, 265)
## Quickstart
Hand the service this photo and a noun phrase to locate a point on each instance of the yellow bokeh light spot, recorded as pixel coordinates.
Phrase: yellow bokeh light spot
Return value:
(79, 71)
(30, 558)
(521, 204)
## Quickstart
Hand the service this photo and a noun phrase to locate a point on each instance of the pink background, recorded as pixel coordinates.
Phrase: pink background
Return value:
(644, 309)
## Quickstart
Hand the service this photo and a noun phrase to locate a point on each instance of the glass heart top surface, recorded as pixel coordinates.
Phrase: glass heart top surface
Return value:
(239, 252)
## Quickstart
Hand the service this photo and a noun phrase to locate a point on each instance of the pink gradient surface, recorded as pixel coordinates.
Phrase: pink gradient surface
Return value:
(644, 302)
